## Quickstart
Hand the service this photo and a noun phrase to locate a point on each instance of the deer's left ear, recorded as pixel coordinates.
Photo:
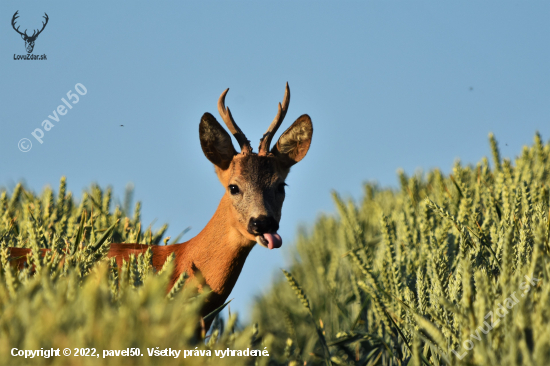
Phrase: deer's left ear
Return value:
(294, 142)
(215, 142)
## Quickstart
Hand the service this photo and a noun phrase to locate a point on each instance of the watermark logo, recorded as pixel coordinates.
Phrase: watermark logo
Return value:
(25, 144)
(29, 40)
(501, 311)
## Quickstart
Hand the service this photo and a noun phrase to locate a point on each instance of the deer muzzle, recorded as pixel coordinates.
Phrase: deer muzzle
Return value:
(265, 229)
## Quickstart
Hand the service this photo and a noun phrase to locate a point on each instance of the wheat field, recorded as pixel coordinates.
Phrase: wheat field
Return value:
(447, 269)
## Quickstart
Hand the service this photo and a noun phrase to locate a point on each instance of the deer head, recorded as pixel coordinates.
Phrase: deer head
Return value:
(29, 40)
(255, 183)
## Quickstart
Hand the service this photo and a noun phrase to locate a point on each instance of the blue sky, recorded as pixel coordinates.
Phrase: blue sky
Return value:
(388, 85)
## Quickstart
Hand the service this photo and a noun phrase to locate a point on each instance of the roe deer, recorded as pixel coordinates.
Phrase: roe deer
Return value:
(249, 211)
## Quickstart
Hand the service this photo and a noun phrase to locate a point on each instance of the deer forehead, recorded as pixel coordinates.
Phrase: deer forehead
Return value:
(256, 171)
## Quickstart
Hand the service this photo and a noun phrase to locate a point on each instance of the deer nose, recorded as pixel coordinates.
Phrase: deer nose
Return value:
(262, 224)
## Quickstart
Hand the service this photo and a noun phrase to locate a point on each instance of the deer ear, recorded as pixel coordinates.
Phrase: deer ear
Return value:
(215, 142)
(294, 142)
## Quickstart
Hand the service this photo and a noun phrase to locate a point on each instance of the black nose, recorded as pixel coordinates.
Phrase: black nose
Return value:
(262, 224)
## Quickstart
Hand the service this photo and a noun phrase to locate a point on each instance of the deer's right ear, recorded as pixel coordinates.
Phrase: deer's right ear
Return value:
(294, 142)
(216, 142)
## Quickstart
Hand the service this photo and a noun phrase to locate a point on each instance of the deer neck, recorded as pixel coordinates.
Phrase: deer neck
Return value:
(219, 251)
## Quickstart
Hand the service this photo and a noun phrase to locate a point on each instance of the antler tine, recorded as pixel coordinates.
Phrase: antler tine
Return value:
(265, 141)
(225, 113)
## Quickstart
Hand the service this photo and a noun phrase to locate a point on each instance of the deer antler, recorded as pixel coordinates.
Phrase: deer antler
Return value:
(15, 16)
(43, 26)
(265, 141)
(233, 128)
(34, 35)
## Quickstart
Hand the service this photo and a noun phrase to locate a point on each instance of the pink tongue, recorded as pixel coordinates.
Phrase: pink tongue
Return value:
(273, 240)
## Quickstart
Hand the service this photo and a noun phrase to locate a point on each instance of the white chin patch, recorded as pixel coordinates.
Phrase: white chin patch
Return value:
(261, 240)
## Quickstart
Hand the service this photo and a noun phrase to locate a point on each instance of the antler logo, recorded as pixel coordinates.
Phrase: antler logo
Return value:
(29, 40)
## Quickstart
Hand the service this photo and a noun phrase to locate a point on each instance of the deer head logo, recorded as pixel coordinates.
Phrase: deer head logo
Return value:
(29, 40)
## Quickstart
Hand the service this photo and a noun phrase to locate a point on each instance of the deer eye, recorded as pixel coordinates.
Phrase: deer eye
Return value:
(281, 188)
(234, 189)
